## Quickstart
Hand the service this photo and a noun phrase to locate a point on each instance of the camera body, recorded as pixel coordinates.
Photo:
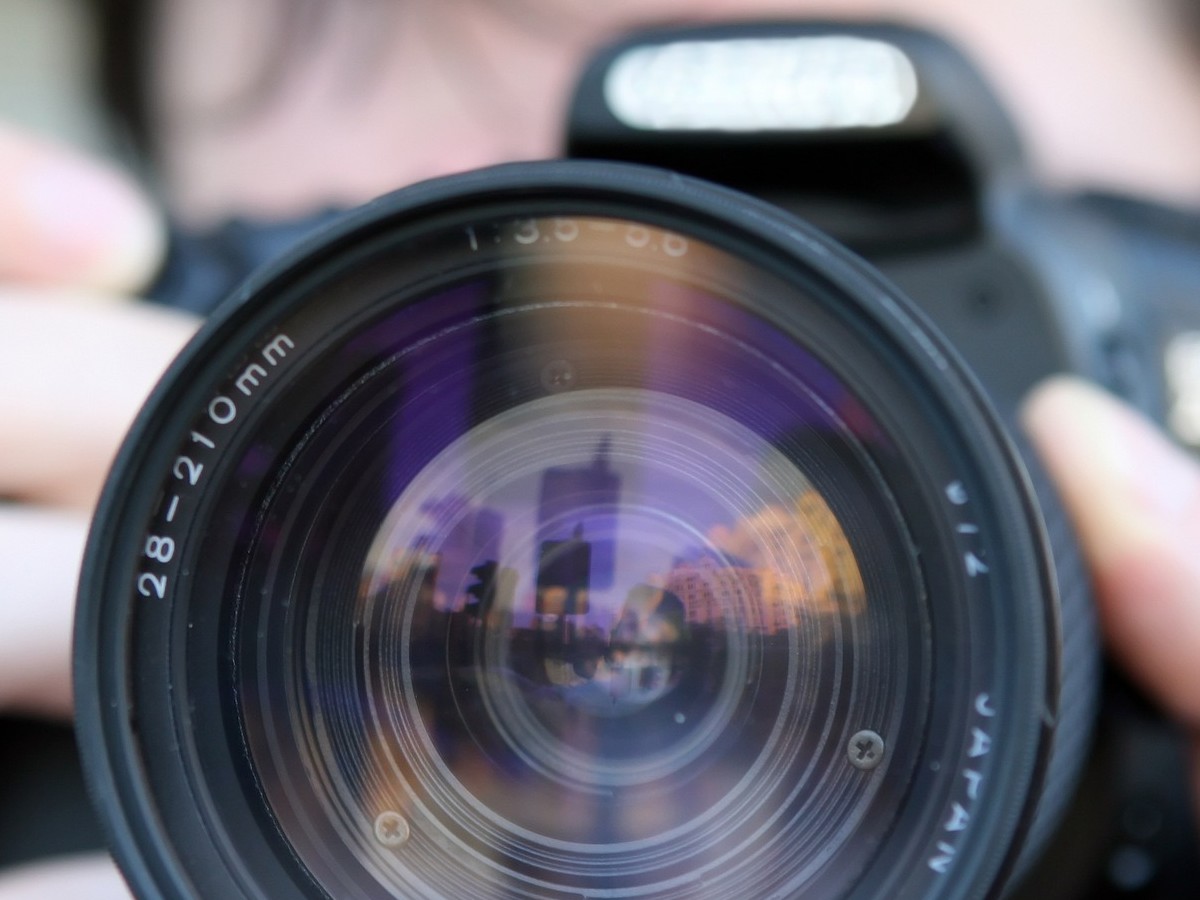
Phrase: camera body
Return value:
(887, 140)
(934, 191)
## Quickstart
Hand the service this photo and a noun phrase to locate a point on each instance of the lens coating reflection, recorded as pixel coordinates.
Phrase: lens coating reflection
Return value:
(566, 616)
(567, 570)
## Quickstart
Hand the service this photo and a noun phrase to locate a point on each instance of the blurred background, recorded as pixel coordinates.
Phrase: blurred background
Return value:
(45, 63)
(45, 60)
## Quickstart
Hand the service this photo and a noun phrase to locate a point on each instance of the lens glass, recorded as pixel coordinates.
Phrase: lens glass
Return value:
(559, 571)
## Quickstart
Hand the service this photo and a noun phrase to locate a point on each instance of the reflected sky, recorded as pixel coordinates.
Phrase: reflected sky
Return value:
(659, 490)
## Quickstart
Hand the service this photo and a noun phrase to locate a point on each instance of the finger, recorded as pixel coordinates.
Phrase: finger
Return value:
(68, 220)
(1135, 501)
(82, 878)
(72, 377)
(40, 553)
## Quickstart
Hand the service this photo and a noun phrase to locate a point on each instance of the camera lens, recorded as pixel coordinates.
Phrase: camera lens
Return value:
(567, 530)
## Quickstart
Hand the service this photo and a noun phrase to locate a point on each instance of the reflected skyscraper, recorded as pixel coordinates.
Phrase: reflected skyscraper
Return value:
(578, 505)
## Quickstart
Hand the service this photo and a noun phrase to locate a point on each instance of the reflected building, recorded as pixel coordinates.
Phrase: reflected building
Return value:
(842, 586)
(459, 537)
(723, 593)
(578, 504)
(778, 563)
(564, 576)
(716, 593)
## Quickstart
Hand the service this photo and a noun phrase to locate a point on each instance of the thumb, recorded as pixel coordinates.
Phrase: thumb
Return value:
(86, 877)
(69, 221)
(1135, 500)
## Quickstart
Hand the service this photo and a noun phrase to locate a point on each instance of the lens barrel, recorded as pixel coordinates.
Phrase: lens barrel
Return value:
(572, 529)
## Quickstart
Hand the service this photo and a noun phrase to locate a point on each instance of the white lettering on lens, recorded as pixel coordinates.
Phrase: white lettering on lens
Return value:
(161, 548)
(526, 232)
(250, 378)
(942, 862)
(975, 565)
(956, 493)
(150, 585)
(958, 818)
(186, 469)
(958, 814)
(222, 410)
(981, 743)
(566, 230)
(973, 779)
(637, 237)
(674, 245)
(983, 706)
(277, 349)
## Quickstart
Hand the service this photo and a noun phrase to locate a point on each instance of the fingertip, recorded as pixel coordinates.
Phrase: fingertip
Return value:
(1135, 500)
(94, 877)
(1119, 471)
(72, 221)
(89, 227)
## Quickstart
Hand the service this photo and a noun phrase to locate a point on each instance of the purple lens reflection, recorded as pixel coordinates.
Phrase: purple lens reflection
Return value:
(714, 543)
(570, 577)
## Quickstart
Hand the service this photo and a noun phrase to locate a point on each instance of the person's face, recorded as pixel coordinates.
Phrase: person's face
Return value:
(378, 95)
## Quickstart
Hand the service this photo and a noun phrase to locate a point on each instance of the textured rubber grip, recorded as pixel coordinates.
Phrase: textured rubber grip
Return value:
(1074, 719)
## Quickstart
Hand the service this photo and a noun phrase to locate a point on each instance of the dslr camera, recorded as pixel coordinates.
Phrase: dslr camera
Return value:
(649, 523)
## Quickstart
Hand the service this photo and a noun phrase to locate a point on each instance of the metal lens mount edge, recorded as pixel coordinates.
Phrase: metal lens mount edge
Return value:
(166, 674)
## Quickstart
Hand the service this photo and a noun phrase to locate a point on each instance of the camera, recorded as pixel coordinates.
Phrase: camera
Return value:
(589, 529)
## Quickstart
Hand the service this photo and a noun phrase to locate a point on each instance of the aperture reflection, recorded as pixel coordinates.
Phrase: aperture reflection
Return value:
(582, 582)
(611, 619)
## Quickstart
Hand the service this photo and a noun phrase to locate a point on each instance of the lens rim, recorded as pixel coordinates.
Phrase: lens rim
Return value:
(862, 516)
(122, 735)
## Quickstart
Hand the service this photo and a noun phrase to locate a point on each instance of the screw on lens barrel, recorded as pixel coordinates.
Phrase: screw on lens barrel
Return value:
(865, 749)
(391, 829)
(558, 376)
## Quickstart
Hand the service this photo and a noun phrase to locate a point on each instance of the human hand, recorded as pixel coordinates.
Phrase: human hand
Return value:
(75, 364)
(1135, 501)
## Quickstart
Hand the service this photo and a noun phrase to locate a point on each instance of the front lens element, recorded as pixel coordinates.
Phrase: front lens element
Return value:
(575, 616)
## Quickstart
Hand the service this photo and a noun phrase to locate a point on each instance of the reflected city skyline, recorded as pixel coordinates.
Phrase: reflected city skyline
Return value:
(592, 561)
